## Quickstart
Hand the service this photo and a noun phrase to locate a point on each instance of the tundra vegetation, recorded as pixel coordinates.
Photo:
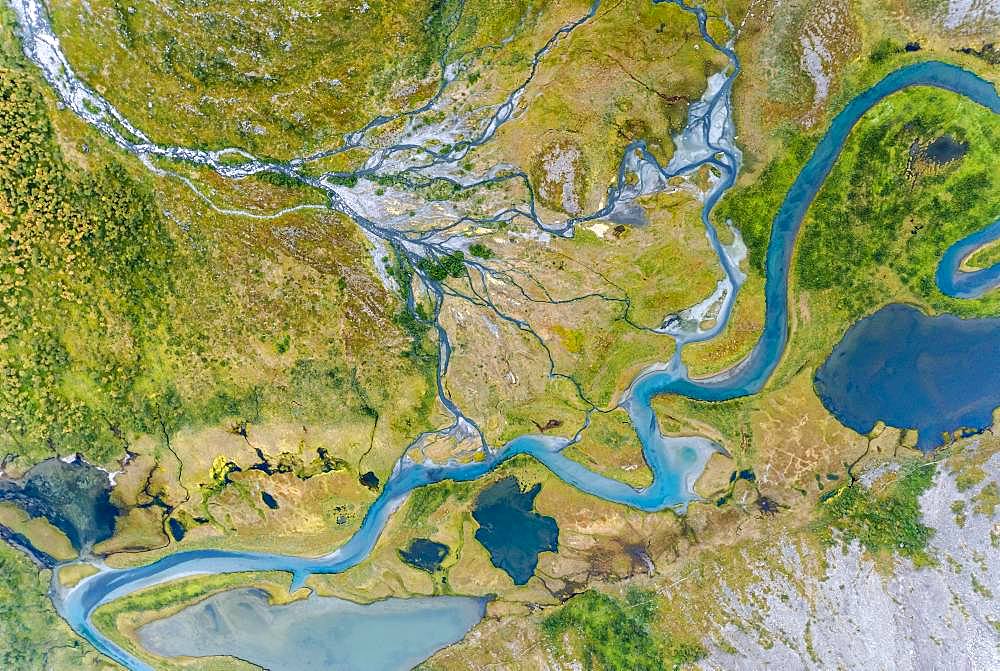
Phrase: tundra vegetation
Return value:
(235, 356)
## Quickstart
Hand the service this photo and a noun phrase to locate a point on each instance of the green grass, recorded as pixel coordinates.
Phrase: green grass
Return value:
(880, 208)
(884, 49)
(753, 208)
(617, 634)
(985, 256)
(441, 268)
(278, 79)
(481, 251)
(79, 250)
(32, 635)
(425, 501)
(118, 322)
(884, 519)
(176, 593)
(883, 212)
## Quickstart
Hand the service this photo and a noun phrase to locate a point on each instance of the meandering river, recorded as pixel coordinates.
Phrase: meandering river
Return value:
(675, 462)
(954, 281)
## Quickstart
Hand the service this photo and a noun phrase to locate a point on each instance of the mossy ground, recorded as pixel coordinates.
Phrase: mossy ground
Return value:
(885, 519)
(618, 635)
(272, 78)
(32, 636)
(217, 326)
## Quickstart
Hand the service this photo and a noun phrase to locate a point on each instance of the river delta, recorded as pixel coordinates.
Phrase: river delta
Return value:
(705, 148)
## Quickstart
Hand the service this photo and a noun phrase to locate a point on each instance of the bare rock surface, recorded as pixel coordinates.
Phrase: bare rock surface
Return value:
(807, 611)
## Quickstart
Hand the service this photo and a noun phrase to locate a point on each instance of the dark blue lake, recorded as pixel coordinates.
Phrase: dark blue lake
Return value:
(177, 529)
(510, 529)
(74, 496)
(269, 500)
(933, 374)
(424, 554)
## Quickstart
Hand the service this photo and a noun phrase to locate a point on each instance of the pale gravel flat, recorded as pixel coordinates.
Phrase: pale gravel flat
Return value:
(852, 617)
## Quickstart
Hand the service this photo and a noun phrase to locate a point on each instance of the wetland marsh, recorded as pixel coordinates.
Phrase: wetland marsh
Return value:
(704, 147)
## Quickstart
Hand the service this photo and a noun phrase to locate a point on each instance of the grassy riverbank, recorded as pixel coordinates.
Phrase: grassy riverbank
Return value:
(32, 636)
(984, 257)
(142, 319)
(880, 223)
(754, 578)
(121, 619)
(781, 110)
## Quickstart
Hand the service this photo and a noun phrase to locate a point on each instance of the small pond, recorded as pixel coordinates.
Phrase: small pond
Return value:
(315, 634)
(510, 529)
(945, 149)
(933, 374)
(177, 529)
(269, 500)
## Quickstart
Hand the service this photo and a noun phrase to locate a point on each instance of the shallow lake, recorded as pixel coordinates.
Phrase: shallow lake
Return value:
(933, 374)
(320, 633)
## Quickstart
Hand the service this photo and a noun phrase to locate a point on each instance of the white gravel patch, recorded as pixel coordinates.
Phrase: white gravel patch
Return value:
(850, 616)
